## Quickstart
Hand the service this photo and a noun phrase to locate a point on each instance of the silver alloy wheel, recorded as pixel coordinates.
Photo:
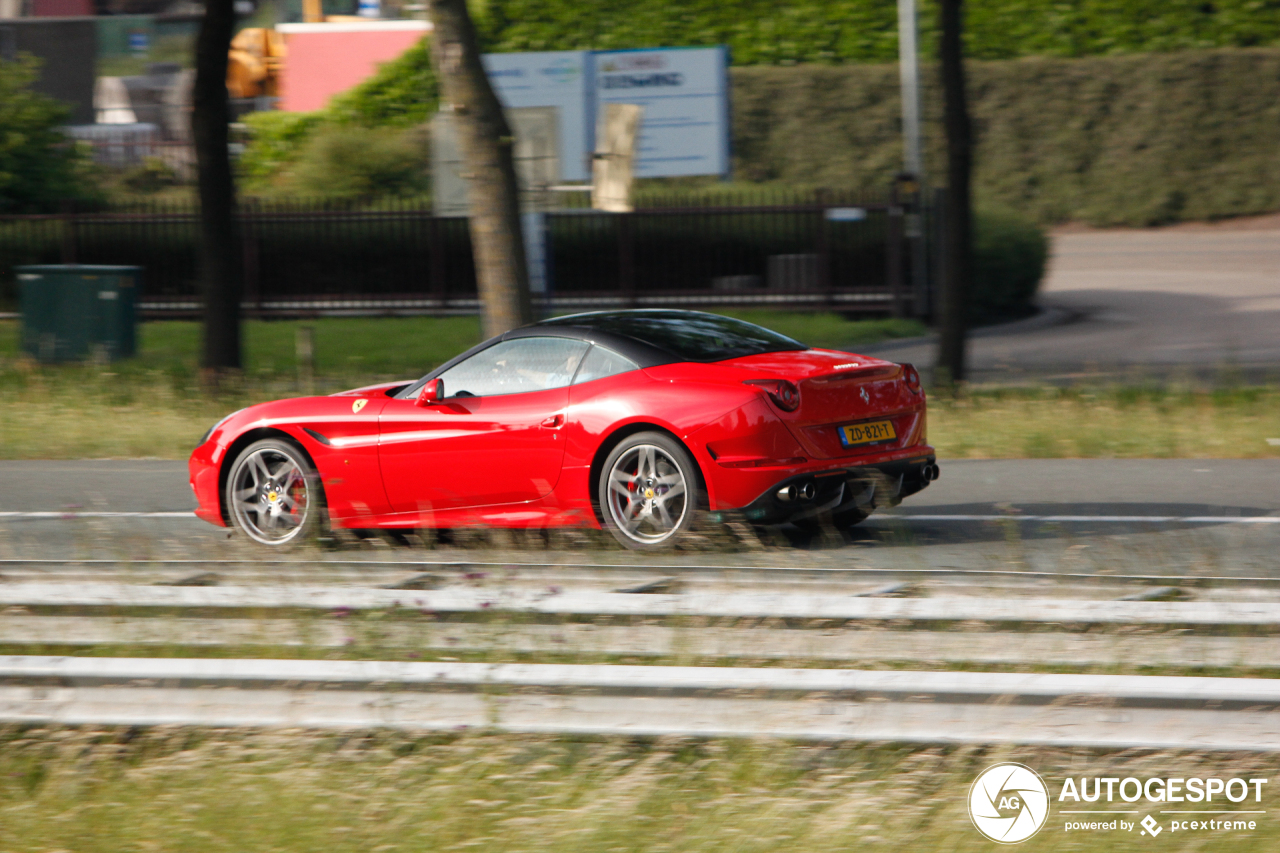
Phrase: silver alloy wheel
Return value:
(647, 497)
(270, 495)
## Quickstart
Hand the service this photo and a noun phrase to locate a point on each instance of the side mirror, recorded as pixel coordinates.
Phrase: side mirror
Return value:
(431, 393)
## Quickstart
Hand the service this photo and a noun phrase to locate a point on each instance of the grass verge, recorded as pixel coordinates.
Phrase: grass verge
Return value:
(1108, 422)
(150, 406)
(111, 789)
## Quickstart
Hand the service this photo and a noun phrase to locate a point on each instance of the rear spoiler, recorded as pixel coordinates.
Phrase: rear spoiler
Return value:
(861, 374)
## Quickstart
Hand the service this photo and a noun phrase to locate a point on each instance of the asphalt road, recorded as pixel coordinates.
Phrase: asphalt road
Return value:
(1199, 300)
(1163, 517)
(1123, 487)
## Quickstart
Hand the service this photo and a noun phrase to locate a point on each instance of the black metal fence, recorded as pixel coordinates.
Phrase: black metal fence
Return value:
(818, 250)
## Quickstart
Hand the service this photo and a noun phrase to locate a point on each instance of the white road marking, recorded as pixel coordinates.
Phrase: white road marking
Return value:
(70, 514)
(1073, 519)
(1104, 519)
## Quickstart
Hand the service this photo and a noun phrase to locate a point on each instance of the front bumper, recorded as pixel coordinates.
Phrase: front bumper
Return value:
(855, 487)
(204, 468)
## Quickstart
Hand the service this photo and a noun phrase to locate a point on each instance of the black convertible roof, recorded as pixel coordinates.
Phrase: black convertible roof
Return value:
(649, 337)
(669, 336)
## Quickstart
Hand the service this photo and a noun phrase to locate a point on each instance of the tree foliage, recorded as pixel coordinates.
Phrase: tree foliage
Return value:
(401, 95)
(39, 166)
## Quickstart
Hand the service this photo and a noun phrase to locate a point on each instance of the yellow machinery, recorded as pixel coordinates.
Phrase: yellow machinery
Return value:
(254, 63)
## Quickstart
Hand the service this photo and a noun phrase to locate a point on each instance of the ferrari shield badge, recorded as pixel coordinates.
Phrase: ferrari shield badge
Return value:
(358, 405)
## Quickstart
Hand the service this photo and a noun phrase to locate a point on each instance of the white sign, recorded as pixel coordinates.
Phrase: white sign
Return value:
(684, 92)
(550, 79)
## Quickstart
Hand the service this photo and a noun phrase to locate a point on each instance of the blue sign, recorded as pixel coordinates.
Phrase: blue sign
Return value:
(685, 95)
(550, 79)
(684, 129)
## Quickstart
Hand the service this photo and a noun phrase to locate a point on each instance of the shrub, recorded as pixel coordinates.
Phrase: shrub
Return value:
(352, 162)
(402, 94)
(1009, 257)
(39, 166)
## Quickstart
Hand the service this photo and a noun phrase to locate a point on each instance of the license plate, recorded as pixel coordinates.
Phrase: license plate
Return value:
(855, 434)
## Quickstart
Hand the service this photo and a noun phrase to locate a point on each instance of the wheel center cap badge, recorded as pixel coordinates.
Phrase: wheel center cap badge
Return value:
(649, 494)
(271, 496)
(358, 405)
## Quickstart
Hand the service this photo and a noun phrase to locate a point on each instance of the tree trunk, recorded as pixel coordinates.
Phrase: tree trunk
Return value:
(487, 146)
(957, 239)
(221, 259)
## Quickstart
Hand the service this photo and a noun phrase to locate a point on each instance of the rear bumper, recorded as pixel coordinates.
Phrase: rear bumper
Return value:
(883, 483)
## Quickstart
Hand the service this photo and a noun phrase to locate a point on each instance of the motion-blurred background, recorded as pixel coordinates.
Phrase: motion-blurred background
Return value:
(1107, 509)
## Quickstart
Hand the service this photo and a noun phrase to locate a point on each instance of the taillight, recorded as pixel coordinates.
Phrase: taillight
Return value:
(912, 377)
(785, 395)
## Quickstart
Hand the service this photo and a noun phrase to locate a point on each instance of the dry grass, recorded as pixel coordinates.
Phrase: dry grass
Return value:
(169, 789)
(1108, 423)
(107, 415)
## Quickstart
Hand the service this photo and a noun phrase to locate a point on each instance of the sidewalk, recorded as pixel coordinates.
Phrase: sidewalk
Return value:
(1184, 300)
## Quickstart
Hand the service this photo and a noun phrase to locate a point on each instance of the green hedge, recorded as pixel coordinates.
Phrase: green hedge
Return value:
(1134, 140)
(310, 256)
(832, 31)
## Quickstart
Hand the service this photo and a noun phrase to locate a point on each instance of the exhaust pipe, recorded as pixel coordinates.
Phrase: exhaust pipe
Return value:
(793, 492)
(926, 474)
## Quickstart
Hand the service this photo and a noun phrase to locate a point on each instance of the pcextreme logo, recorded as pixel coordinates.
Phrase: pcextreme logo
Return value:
(1009, 803)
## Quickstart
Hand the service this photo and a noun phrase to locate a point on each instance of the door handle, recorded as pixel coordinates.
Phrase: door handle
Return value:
(554, 422)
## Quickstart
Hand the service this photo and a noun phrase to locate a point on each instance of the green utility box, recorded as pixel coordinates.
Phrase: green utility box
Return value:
(72, 312)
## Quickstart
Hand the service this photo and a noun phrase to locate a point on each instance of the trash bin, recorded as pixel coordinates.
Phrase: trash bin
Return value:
(72, 312)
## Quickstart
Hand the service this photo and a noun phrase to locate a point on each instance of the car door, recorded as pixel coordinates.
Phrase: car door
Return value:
(494, 437)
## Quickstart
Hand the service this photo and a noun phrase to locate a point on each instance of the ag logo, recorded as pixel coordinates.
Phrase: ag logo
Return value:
(1008, 803)
(358, 405)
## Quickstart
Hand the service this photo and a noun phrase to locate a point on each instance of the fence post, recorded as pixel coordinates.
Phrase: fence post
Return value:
(626, 258)
(938, 235)
(894, 249)
(249, 245)
(435, 248)
(68, 232)
(826, 281)
(305, 350)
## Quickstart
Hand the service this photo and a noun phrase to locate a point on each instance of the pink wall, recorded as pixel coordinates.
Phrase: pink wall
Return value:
(325, 59)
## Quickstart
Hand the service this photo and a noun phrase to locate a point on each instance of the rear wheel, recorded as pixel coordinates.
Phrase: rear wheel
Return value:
(273, 493)
(648, 491)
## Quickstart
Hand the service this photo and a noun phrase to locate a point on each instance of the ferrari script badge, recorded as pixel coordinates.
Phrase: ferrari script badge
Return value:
(358, 405)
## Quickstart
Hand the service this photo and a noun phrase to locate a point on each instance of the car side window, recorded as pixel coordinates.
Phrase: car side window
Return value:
(515, 367)
(601, 362)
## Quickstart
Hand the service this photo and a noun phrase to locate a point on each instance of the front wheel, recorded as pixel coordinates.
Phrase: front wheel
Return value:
(648, 491)
(273, 493)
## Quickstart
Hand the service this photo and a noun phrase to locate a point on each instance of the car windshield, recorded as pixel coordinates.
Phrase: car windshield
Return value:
(688, 335)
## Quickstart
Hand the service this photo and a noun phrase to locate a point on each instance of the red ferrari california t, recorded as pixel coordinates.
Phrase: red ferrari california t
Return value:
(627, 420)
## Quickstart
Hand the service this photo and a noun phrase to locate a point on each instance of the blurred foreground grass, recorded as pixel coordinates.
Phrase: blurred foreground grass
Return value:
(176, 789)
(151, 406)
